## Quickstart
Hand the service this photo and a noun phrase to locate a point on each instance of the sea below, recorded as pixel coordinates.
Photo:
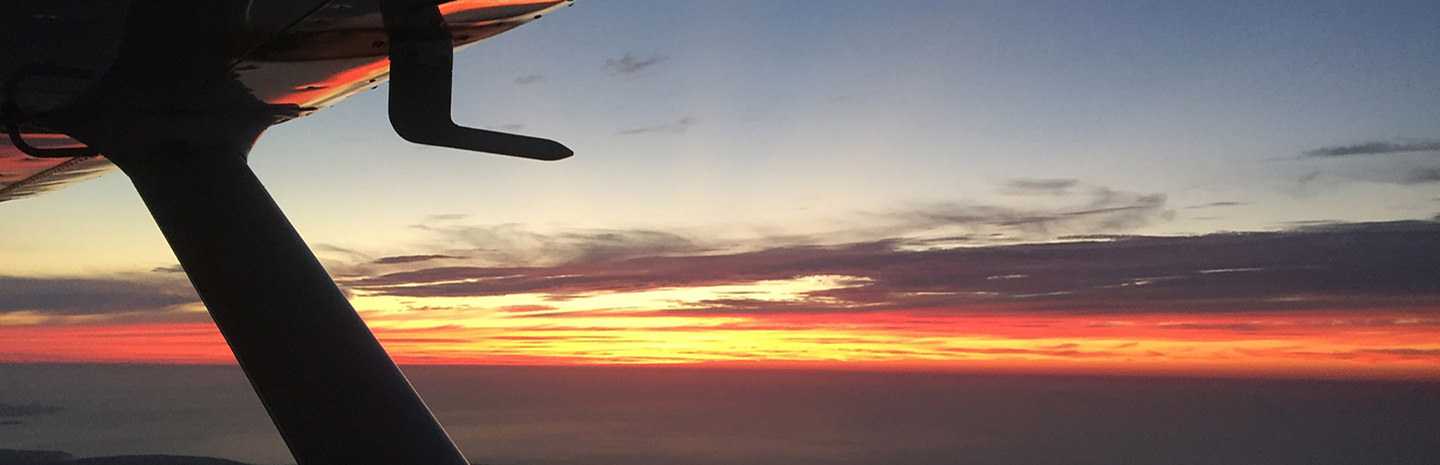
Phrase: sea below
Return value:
(690, 416)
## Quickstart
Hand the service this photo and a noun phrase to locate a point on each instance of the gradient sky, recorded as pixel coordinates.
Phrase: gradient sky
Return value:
(940, 185)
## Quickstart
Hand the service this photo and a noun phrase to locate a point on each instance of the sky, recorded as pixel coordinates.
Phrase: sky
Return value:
(1225, 189)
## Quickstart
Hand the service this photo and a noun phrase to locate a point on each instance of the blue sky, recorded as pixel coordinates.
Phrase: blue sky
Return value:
(745, 120)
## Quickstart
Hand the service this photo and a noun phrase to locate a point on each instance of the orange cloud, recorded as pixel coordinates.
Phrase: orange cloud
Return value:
(1331, 346)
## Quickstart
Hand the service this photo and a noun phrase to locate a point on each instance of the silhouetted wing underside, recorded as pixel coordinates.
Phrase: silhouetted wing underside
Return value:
(300, 61)
(22, 175)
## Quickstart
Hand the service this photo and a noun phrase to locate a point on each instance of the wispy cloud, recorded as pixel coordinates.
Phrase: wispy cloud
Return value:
(1100, 210)
(1375, 148)
(1039, 186)
(1422, 176)
(629, 64)
(176, 268)
(91, 296)
(399, 259)
(529, 79)
(678, 126)
(1358, 266)
(1216, 205)
(516, 245)
(1402, 170)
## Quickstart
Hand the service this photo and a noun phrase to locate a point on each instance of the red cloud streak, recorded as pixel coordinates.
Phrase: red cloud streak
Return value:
(1336, 344)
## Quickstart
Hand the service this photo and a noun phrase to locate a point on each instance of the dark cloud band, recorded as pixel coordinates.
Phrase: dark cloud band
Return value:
(1375, 148)
(1350, 266)
(86, 296)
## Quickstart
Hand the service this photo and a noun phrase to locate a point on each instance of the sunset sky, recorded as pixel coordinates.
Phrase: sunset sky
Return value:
(1211, 188)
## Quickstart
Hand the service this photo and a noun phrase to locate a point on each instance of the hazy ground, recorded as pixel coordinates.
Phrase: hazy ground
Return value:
(642, 416)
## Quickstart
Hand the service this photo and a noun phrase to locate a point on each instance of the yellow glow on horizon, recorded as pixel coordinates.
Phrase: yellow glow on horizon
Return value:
(714, 325)
(649, 300)
(826, 341)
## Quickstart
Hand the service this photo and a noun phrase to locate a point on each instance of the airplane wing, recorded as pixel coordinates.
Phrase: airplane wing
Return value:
(22, 175)
(303, 56)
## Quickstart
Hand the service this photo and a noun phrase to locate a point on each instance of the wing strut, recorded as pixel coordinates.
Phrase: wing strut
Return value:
(330, 388)
(182, 134)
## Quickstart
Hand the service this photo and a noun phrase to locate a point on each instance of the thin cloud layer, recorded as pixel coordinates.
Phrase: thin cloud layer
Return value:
(678, 126)
(401, 259)
(516, 245)
(1039, 186)
(1416, 169)
(1103, 211)
(1422, 176)
(1324, 267)
(629, 64)
(1355, 266)
(87, 296)
(529, 79)
(1216, 205)
(1375, 148)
